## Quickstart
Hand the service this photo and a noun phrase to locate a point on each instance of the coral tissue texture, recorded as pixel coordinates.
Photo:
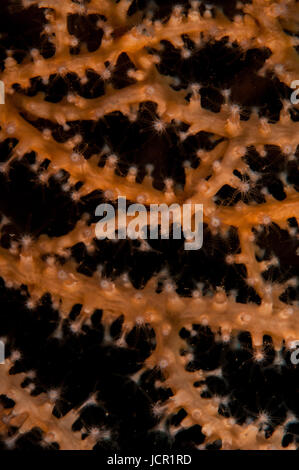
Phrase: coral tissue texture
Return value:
(139, 345)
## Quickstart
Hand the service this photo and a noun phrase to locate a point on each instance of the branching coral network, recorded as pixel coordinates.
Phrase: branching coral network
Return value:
(237, 159)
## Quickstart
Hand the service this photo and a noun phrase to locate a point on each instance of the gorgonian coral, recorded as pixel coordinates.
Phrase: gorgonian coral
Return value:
(116, 344)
